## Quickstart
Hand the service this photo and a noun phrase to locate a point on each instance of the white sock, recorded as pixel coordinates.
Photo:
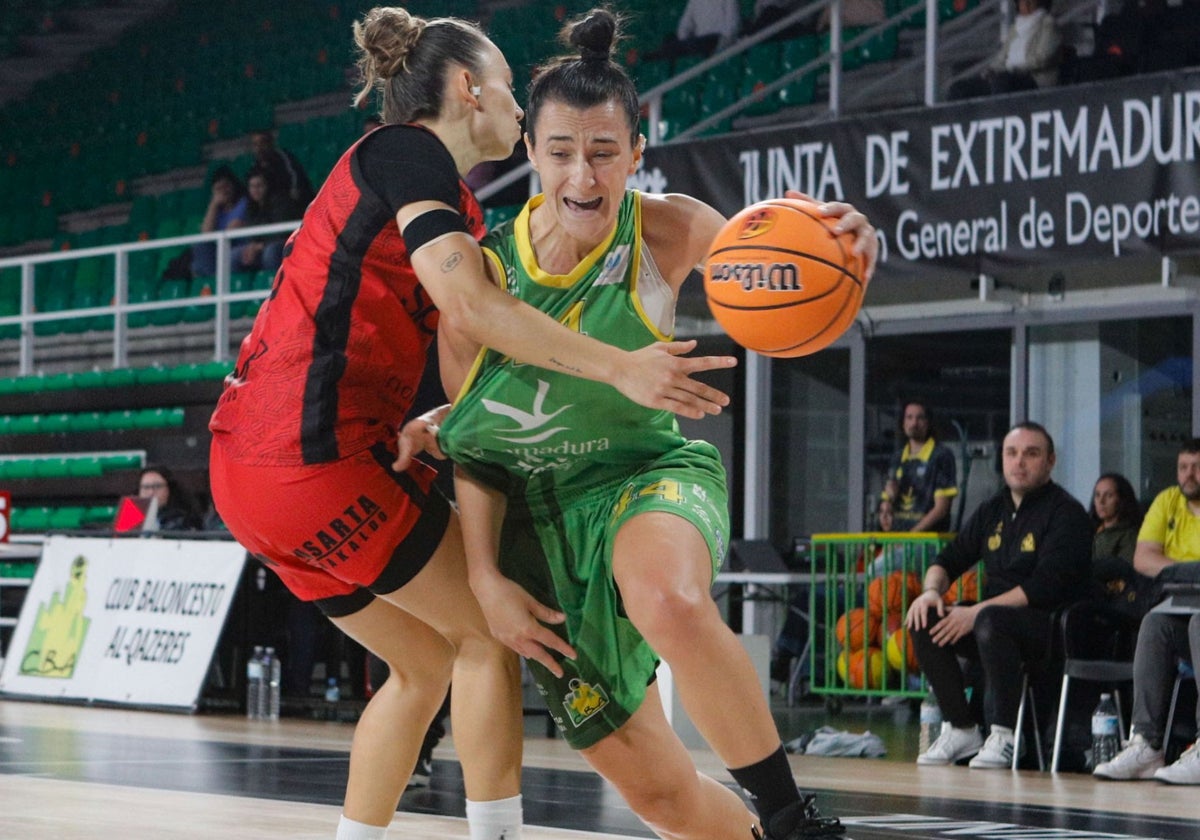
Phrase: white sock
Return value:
(499, 819)
(348, 829)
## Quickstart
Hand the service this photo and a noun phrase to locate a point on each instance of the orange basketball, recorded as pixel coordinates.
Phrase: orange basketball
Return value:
(900, 587)
(966, 588)
(780, 282)
(900, 651)
(865, 669)
(849, 628)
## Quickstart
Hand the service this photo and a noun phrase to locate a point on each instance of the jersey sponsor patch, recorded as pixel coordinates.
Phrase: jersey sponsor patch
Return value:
(530, 424)
(612, 273)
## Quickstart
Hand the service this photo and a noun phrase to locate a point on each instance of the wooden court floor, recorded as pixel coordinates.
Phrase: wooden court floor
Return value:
(72, 772)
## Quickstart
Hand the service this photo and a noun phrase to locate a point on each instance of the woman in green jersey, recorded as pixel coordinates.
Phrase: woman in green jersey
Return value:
(575, 500)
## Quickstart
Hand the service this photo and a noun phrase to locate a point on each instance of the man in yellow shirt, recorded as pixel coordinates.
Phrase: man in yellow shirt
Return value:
(1168, 539)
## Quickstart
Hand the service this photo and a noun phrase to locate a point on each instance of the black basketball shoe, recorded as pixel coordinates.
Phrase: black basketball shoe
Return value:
(801, 820)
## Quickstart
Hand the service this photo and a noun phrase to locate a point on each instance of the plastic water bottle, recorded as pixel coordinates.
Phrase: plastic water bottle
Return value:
(931, 722)
(272, 672)
(254, 683)
(1106, 731)
(333, 693)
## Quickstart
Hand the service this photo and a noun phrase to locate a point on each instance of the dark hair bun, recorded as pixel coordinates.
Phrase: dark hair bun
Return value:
(594, 35)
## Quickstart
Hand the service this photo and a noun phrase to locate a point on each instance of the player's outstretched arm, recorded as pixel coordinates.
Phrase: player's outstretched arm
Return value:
(451, 269)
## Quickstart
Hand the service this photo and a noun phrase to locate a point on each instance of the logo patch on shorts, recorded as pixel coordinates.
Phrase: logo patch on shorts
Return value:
(583, 701)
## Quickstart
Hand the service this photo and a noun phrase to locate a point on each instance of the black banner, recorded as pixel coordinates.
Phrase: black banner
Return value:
(1092, 171)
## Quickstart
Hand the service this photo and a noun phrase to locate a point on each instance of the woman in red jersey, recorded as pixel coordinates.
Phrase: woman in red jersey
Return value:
(304, 433)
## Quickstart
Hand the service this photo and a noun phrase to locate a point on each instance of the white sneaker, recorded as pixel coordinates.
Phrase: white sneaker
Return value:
(997, 752)
(1185, 771)
(1137, 761)
(952, 745)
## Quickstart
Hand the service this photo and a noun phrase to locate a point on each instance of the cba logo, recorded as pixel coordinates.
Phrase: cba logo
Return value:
(756, 224)
(59, 629)
(583, 701)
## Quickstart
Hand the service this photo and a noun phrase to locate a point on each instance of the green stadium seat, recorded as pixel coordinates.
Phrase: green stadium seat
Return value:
(169, 290)
(87, 466)
(65, 518)
(31, 519)
(153, 375)
(88, 379)
(25, 424)
(119, 378)
(158, 418)
(123, 461)
(19, 468)
(200, 287)
(117, 421)
(214, 370)
(50, 468)
(99, 514)
(57, 423)
(87, 421)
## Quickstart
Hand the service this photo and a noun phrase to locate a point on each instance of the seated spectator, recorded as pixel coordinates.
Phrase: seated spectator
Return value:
(1028, 56)
(704, 27)
(226, 210)
(1033, 539)
(1168, 548)
(290, 188)
(173, 508)
(259, 254)
(1117, 516)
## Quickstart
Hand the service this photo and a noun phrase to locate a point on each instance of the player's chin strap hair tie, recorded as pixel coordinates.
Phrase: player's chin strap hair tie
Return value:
(429, 226)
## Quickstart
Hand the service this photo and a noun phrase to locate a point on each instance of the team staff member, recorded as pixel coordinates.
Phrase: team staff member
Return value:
(304, 434)
(1035, 541)
(921, 479)
(608, 513)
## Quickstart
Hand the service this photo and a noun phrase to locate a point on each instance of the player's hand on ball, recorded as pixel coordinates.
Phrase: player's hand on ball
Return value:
(420, 435)
(850, 220)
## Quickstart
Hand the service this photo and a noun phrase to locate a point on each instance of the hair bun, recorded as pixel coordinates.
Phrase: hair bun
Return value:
(594, 35)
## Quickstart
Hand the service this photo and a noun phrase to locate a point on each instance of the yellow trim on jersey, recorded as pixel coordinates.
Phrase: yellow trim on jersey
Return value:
(529, 259)
(923, 454)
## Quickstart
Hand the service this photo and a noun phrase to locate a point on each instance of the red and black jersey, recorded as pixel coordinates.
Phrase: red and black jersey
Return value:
(337, 350)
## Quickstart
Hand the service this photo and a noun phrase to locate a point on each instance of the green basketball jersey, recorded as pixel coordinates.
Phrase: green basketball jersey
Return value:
(516, 424)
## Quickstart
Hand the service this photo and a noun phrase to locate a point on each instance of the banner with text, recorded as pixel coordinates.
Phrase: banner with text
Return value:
(1073, 173)
(130, 621)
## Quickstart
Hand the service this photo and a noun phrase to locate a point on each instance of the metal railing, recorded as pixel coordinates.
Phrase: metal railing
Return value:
(121, 307)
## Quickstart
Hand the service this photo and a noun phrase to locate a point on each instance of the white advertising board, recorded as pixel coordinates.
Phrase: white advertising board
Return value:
(126, 621)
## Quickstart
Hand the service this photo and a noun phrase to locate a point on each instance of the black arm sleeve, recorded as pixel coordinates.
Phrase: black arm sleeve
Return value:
(402, 164)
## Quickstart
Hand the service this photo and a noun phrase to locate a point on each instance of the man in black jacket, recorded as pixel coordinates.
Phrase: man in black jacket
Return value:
(1034, 540)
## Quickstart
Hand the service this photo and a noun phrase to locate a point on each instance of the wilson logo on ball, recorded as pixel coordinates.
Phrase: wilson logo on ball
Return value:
(756, 224)
(772, 277)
